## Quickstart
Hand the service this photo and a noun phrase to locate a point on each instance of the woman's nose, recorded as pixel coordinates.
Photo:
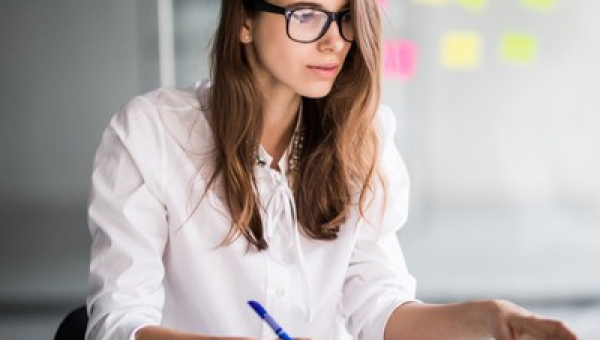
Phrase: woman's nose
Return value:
(332, 41)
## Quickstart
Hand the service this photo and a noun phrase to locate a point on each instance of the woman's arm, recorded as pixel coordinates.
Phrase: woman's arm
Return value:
(498, 319)
(159, 333)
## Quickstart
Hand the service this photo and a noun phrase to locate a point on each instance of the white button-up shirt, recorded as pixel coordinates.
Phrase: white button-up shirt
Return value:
(156, 254)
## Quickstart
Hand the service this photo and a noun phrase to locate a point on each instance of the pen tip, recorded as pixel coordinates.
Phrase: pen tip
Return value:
(257, 307)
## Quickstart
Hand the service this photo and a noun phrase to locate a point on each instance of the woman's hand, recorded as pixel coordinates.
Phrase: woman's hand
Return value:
(515, 323)
(473, 320)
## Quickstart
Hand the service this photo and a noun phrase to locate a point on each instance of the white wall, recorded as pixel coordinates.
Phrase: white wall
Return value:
(65, 67)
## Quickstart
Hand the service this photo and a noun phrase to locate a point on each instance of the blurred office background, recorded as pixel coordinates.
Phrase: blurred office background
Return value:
(498, 107)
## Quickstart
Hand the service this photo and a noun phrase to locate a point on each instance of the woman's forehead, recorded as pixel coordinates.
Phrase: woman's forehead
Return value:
(325, 4)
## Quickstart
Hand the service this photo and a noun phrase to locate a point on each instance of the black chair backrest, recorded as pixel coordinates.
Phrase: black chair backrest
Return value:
(73, 325)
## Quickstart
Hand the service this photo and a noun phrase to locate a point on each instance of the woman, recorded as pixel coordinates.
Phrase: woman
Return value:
(279, 182)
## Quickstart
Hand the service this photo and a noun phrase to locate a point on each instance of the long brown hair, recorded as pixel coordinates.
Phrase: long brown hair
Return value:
(337, 165)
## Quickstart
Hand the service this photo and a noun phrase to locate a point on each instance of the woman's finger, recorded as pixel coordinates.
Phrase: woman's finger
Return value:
(546, 329)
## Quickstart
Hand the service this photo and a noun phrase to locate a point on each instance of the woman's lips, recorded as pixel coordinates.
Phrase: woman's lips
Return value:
(326, 71)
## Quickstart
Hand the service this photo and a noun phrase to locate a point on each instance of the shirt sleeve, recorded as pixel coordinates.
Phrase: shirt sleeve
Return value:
(377, 280)
(128, 226)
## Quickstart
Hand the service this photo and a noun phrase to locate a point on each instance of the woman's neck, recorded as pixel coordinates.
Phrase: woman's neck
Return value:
(279, 124)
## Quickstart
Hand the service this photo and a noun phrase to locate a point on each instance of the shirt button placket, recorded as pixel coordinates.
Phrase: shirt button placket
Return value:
(280, 292)
(278, 295)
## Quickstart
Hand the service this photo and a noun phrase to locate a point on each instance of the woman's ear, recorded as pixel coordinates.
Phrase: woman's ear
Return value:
(246, 31)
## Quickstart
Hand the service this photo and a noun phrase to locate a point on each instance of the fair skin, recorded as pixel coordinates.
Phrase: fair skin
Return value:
(497, 319)
(285, 71)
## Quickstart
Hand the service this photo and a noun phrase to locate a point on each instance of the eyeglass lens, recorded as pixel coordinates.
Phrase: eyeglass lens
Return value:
(309, 24)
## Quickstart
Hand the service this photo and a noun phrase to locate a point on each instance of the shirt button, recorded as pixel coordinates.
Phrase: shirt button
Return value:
(280, 292)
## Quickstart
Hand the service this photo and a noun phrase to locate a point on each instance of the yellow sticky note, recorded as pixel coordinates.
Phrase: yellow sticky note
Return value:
(519, 48)
(432, 2)
(543, 5)
(473, 5)
(461, 50)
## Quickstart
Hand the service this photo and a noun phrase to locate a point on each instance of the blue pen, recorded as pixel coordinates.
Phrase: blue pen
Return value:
(268, 319)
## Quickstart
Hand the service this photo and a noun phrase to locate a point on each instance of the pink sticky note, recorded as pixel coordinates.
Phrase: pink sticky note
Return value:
(400, 58)
(383, 3)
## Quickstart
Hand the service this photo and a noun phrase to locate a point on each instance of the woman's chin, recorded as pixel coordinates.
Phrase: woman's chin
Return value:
(316, 91)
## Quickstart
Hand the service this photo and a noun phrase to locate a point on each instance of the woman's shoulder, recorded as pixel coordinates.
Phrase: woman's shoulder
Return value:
(167, 101)
(163, 108)
(195, 96)
(385, 122)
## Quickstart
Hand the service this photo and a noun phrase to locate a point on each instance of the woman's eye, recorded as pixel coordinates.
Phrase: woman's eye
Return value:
(347, 18)
(305, 16)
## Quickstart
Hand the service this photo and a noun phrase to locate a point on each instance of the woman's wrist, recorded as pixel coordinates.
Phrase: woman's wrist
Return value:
(493, 314)
(481, 316)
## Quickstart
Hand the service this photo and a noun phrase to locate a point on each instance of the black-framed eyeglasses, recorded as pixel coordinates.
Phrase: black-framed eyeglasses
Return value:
(305, 24)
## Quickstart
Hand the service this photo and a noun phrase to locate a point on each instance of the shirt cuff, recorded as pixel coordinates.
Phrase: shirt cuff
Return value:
(136, 329)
